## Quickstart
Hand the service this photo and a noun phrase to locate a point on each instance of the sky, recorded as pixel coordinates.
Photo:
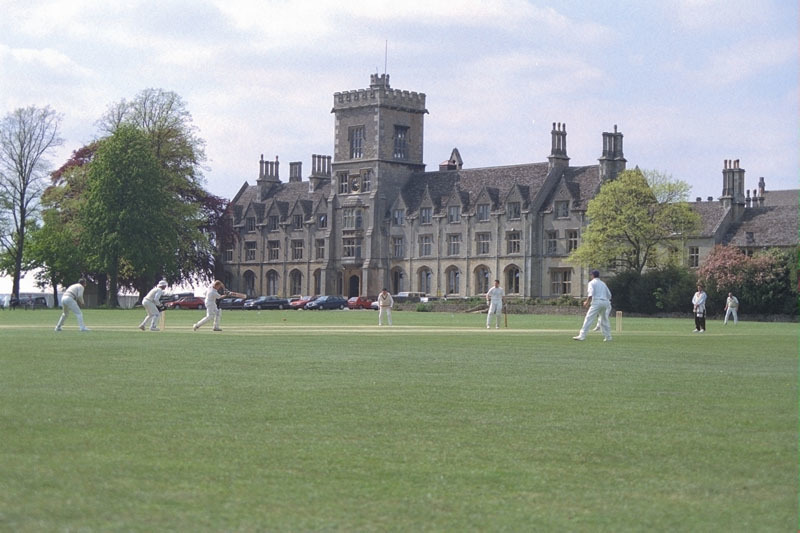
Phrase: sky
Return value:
(690, 83)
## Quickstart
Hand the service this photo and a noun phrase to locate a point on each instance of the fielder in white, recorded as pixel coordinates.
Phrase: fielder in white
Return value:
(732, 308)
(494, 299)
(151, 304)
(598, 300)
(385, 303)
(69, 302)
(215, 292)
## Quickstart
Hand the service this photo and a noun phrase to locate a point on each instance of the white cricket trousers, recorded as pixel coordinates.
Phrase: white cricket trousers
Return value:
(495, 308)
(152, 314)
(211, 312)
(597, 307)
(387, 312)
(729, 312)
(68, 304)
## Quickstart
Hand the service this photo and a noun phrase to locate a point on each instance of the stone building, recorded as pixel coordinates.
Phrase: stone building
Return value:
(371, 216)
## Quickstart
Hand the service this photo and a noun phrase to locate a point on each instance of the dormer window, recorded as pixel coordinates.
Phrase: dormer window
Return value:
(251, 224)
(454, 214)
(562, 209)
(425, 215)
(297, 221)
(514, 211)
(483, 212)
(272, 223)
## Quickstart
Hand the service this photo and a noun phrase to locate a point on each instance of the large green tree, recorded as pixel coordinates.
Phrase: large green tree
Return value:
(165, 120)
(26, 136)
(637, 220)
(126, 216)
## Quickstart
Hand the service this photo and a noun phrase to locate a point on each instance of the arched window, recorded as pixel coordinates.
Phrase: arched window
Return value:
(272, 282)
(295, 283)
(512, 280)
(425, 277)
(453, 276)
(398, 280)
(482, 276)
(249, 283)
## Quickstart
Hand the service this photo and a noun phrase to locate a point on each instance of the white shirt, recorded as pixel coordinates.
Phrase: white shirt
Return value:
(598, 290)
(211, 298)
(154, 295)
(732, 302)
(699, 301)
(496, 294)
(75, 292)
(385, 300)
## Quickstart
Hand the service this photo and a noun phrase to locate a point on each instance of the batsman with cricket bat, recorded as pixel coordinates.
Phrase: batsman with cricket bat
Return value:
(494, 298)
(215, 293)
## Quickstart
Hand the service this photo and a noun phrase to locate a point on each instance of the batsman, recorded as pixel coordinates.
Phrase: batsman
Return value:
(215, 293)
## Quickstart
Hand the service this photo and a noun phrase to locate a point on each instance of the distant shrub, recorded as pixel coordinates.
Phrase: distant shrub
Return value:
(424, 308)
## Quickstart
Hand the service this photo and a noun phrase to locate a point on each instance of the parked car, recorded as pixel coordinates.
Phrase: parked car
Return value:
(187, 302)
(359, 302)
(408, 296)
(165, 299)
(33, 302)
(327, 302)
(266, 302)
(300, 303)
(231, 303)
(374, 305)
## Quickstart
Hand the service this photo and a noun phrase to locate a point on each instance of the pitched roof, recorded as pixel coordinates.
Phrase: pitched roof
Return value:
(711, 216)
(765, 226)
(285, 195)
(498, 181)
(786, 197)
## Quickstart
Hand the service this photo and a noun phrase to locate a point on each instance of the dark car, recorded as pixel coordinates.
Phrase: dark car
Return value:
(231, 303)
(359, 302)
(33, 302)
(327, 302)
(187, 302)
(267, 302)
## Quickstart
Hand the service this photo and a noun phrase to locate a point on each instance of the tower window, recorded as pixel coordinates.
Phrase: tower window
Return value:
(357, 142)
(401, 142)
(366, 180)
(344, 183)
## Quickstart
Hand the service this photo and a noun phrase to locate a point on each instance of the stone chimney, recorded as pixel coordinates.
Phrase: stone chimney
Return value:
(320, 171)
(558, 151)
(613, 161)
(267, 175)
(295, 171)
(732, 184)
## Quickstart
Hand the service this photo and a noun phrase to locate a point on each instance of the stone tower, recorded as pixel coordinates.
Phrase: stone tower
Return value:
(378, 140)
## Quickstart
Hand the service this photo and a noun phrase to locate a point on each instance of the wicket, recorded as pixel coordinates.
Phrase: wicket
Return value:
(619, 321)
(162, 321)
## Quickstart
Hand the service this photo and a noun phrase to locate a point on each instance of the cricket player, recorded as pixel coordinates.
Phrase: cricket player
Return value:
(731, 308)
(494, 299)
(385, 303)
(69, 302)
(699, 307)
(215, 292)
(598, 300)
(152, 304)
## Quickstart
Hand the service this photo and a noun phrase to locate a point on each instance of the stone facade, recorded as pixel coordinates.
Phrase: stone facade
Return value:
(372, 216)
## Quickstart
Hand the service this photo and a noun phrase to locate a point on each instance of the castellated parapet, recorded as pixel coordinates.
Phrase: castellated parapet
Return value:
(379, 93)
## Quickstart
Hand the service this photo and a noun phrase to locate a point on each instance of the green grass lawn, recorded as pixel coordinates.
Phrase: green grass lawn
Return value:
(321, 421)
